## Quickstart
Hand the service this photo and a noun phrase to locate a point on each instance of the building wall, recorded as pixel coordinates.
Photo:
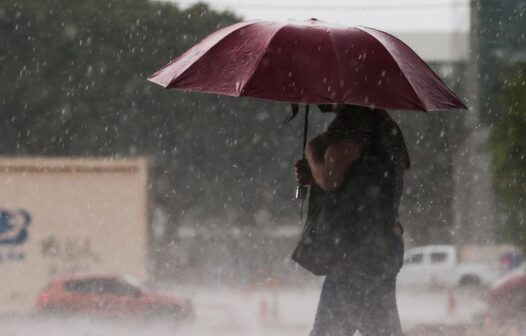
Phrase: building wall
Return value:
(69, 216)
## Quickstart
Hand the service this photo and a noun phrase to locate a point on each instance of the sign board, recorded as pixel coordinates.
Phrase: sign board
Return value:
(61, 217)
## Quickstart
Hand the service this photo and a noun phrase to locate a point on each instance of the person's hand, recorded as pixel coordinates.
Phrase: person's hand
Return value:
(303, 172)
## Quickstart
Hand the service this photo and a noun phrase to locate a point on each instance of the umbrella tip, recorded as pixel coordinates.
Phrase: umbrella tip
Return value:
(313, 19)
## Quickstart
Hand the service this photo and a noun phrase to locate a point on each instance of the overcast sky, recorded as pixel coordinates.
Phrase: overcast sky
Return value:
(391, 15)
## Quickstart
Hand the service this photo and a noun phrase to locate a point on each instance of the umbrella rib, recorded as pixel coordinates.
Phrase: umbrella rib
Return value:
(338, 61)
(260, 58)
(453, 95)
(422, 105)
(181, 74)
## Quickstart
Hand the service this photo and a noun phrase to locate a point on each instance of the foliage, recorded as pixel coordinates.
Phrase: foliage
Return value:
(508, 152)
(501, 42)
(74, 84)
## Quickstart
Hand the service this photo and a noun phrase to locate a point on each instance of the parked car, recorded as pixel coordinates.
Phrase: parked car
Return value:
(440, 265)
(508, 293)
(506, 307)
(109, 296)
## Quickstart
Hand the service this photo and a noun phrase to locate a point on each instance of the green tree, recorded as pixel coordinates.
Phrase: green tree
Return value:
(74, 84)
(501, 42)
(508, 152)
(74, 75)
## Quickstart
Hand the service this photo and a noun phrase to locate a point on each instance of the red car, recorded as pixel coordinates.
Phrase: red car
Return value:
(109, 296)
(507, 300)
(506, 313)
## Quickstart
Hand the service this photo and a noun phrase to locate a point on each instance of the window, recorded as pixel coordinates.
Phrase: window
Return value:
(438, 257)
(91, 286)
(102, 286)
(119, 288)
(414, 259)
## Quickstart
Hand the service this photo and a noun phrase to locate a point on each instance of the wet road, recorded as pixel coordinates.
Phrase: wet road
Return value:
(283, 312)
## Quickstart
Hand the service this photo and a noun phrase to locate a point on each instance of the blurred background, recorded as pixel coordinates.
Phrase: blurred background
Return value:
(103, 173)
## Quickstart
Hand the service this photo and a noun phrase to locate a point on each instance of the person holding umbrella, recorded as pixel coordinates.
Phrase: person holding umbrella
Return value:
(355, 170)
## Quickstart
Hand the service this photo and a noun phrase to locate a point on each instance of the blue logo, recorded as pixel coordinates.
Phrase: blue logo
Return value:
(14, 226)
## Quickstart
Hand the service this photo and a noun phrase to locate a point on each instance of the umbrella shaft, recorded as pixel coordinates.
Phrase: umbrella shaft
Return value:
(305, 130)
(302, 191)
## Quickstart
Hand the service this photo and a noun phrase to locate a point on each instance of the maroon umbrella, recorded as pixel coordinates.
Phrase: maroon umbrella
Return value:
(309, 62)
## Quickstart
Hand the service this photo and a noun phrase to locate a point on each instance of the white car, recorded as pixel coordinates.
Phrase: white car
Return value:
(439, 265)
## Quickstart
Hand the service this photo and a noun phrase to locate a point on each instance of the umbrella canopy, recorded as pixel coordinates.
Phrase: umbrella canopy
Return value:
(310, 62)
